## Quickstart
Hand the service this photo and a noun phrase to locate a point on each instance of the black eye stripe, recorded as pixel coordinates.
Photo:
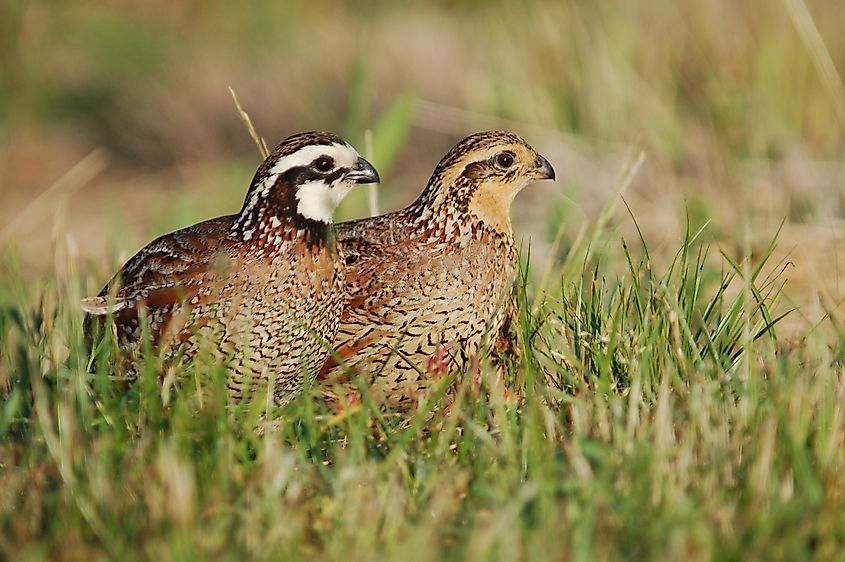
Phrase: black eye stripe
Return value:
(334, 176)
(301, 174)
(298, 175)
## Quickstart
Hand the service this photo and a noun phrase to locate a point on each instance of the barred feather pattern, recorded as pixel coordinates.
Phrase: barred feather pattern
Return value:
(398, 315)
(265, 313)
(260, 291)
(431, 278)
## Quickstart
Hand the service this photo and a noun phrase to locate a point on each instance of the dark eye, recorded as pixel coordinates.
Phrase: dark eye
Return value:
(324, 163)
(504, 160)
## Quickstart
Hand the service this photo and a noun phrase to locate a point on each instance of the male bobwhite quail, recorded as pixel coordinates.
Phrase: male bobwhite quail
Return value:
(433, 277)
(261, 290)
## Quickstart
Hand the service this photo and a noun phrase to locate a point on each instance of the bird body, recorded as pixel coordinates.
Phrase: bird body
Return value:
(261, 290)
(432, 279)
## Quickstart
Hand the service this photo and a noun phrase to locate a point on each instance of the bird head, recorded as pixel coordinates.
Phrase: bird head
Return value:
(305, 178)
(483, 173)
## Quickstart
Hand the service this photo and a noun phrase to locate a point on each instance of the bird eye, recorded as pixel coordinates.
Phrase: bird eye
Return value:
(504, 160)
(324, 163)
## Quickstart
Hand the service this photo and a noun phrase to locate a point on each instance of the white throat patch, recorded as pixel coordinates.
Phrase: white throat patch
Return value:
(316, 200)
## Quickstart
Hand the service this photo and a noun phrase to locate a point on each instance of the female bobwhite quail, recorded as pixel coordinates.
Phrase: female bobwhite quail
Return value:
(433, 278)
(262, 289)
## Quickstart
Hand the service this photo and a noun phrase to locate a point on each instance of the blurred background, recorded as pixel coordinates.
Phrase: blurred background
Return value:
(117, 123)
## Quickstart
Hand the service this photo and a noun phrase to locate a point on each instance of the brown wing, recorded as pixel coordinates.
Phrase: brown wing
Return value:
(169, 270)
(403, 283)
(367, 245)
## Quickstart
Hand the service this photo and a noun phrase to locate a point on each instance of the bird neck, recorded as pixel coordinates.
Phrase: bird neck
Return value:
(436, 202)
(265, 225)
(460, 207)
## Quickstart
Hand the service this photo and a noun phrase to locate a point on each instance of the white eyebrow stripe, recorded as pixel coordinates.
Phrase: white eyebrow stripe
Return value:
(343, 154)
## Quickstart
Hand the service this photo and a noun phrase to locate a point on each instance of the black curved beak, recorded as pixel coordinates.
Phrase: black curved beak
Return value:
(363, 172)
(542, 170)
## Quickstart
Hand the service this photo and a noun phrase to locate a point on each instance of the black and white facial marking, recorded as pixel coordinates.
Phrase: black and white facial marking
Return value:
(304, 184)
(326, 179)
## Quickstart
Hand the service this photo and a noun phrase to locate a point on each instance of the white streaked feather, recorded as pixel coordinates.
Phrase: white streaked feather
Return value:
(100, 306)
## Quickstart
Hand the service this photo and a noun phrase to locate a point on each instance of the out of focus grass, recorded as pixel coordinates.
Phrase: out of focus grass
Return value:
(737, 111)
(667, 409)
(738, 77)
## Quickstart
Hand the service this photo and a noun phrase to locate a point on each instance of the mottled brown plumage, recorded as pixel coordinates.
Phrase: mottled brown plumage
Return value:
(433, 278)
(261, 290)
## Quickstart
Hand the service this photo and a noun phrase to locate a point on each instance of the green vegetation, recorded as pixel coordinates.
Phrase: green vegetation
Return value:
(677, 384)
(649, 416)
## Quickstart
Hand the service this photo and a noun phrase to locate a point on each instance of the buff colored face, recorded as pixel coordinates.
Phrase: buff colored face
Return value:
(499, 172)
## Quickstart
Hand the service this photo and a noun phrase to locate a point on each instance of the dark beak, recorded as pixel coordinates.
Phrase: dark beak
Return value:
(363, 172)
(542, 169)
